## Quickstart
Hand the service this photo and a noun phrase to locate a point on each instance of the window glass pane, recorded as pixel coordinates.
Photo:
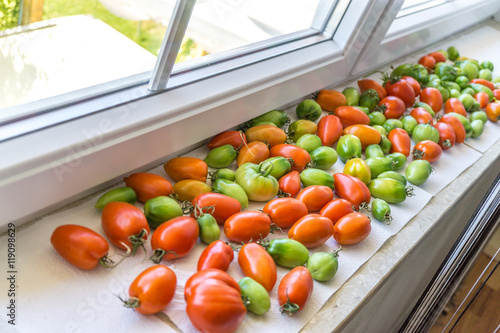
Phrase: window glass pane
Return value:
(413, 6)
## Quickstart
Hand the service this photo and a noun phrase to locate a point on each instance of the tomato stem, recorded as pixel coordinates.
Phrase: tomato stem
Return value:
(131, 303)
(289, 307)
(138, 241)
(336, 252)
(410, 192)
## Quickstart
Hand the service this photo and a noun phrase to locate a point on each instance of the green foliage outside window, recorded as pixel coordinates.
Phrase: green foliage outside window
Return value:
(9, 13)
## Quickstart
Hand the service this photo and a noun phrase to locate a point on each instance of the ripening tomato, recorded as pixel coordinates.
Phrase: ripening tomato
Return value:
(125, 225)
(413, 83)
(401, 89)
(208, 274)
(400, 140)
(366, 84)
(438, 56)
(446, 135)
(174, 238)
(484, 82)
(257, 264)
(496, 94)
(312, 230)
(351, 189)
(329, 129)
(421, 116)
(336, 209)
(329, 99)
(268, 134)
(427, 61)
(254, 152)
(216, 255)
(179, 168)
(290, 184)
(352, 229)
(392, 107)
(234, 138)
(80, 246)
(454, 105)
(367, 135)
(482, 98)
(456, 125)
(299, 156)
(148, 185)
(427, 150)
(284, 212)
(187, 189)
(220, 206)
(244, 227)
(294, 290)
(433, 97)
(350, 115)
(152, 290)
(493, 111)
(315, 196)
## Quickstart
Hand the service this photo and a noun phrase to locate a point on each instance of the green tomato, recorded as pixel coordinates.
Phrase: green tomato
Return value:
(255, 296)
(161, 209)
(468, 91)
(323, 265)
(479, 87)
(487, 65)
(477, 128)
(446, 72)
(409, 124)
(445, 93)
(380, 129)
(496, 79)
(352, 96)
(348, 146)
(288, 252)
(314, 176)
(369, 98)
(420, 73)
(454, 93)
(469, 102)
(376, 118)
(418, 171)
(281, 166)
(378, 165)
(453, 53)
(481, 115)
(231, 189)
(364, 109)
(223, 173)
(433, 77)
(308, 109)
(209, 229)
(309, 142)
(434, 83)
(423, 132)
(122, 194)
(323, 157)
(385, 144)
(277, 117)
(469, 69)
(403, 70)
(398, 160)
(374, 151)
(391, 124)
(462, 81)
(381, 210)
(388, 189)
(426, 106)
(257, 181)
(264, 123)
(221, 157)
(394, 175)
(485, 74)
(301, 127)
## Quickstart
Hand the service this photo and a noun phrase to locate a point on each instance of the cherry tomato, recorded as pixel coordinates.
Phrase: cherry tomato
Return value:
(125, 225)
(393, 107)
(257, 264)
(367, 135)
(329, 99)
(433, 97)
(219, 205)
(299, 156)
(427, 61)
(188, 189)
(294, 290)
(400, 140)
(421, 116)
(413, 83)
(438, 56)
(209, 274)
(284, 212)
(312, 230)
(482, 98)
(234, 138)
(244, 227)
(446, 135)
(80, 246)
(268, 134)
(216, 255)
(351, 189)
(454, 105)
(456, 125)
(427, 150)
(290, 184)
(493, 111)
(352, 229)
(366, 84)
(401, 89)
(254, 152)
(174, 239)
(350, 115)
(148, 185)
(179, 168)
(315, 196)
(329, 129)
(152, 290)
(336, 209)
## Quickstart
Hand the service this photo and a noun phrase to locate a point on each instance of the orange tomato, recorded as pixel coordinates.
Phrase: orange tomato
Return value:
(220, 206)
(268, 134)
(482, 98)
(366, 84)
(209, 274)
(174, 238)
(493, 111)
(329, 100)
(254, 152)
(244, 227)
(179, 168)
(455, 105)
(336, 209)
(312, 230)
(351, 189)
(329, 129)
(392, 107)
(148, 185)
(427, 61)
(290, 184)
(400, 140)
(284, 212)
(438, 56)
(294, 290)
(188, 189)
(352, 229)
(216, 255)
(234, 138)
(349, 115)
(315, 196)
(446, 135)
(257, 264)
(299, 156)
(433, 97)
(484, 82)
(421, 115)
(366, 134)
(456, 125)
(427, 150)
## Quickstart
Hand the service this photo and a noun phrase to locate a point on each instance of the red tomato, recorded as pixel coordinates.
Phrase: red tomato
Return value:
(257, 264)
(454, 105)
(352, 229)
(152, 290)
(366, 84)
(218, 205)
(209, 274)
(393, 107)
(493, 111)
(421, 116)
(427, 150)
(290, 183)
(349, 115)
(413, 83)
(401, 89)
(268, 134)
(244, 227)
(484, 82)
(254, 152)
(234, 138)
(496, 93)
(336, 209)
(401, 142)
(179, 168)
(351, 189)
(300, 157)
(311, 230)
(174, 238)
(80, 246)
(438, 56)
(125, 225)
(482, 98)
(433, 97)
(366, 134)
(294, 290)
(315, 196)
(427, 61)
(456, 125)
(446, 135)
(148, 185)
(329, 129)
(216, 255)
(284, 212)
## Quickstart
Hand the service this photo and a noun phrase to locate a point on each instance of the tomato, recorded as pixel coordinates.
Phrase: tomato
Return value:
(398, 160)
(484, 82)
(373, 151)
(388, 189)
(299, 156)
(352, 96)
(358, 168)
(349, 146)
(277, 117)
(493, 111)
(496, 93)
(482, 98)
(421, 116)
(152, 290)
(257, 181)
(438, 56)
(368, 100)
(454, 105)
(208, 274)
(427, 61)
(268, 134)
(352, 229)
(456, 125)
(80, 246)
(425, 132)
(287, 252)
(323, 265)
(479, 115)
(244, 227)
(329, 99)
(234, 138)
(379, 165)
(301, 127)
(284, 212)
(427, 150)
(123, 194)
(323, 157)
(381, 210)
(418, 171)
(401, 89)
(349, 115)
(366, 84)
(180, 168)
(312, 176)
(329, 129)
(254, 152)
(148, 185)
(308, 109)
(336, 209)
(290, 184)
(256, 296)
(174, 239)
(433, 97)
(315, 196)
(413, 83)
(309, 142)
(351, 189)
(393, 107)
(294, 290)
(400, 140)
(312, 230)
(366, 134)
(219, 205)
(125, 225)
(221, 157)
(256, 263)
(216, 255)
(232, 190)
(187, 189)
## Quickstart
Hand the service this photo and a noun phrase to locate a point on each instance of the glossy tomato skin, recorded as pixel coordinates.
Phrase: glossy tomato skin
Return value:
(234, 138)
(253, 152)
(311, 230)
(401, 89)
(257, 264)
(350, 115)
(427, 61)
(299, 156)
(413, 83)
(336, 209)
(154, 288)
(284, 212)
(427, 150)
(296, 287)
(351, 189)
(290, 184)
(268, 134)
(400, 140)
(188, 189)
(352, 229)
(446, 135)
(329, 129)
(482, 98)
(80, 246)
(457, 127)
(148, 185)
(176, 237)
(454, 105)
(216, 255)
(433, 97)
(244, 227)
(208, 274)
(393, 107)
(493, 111)
(121, 221)
(315, 196)
(219, 205)
(421, 116)
(366, 134)
(330, 99)
(179, 168)
(366, 84)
